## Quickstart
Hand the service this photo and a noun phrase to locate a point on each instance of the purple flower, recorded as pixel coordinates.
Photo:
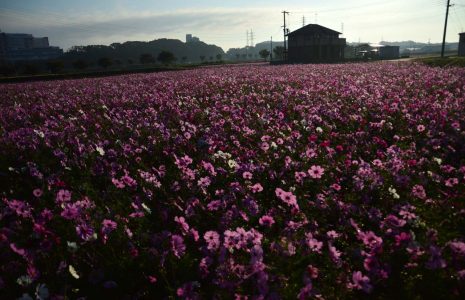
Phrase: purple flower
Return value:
(177, 245)
(84, 231)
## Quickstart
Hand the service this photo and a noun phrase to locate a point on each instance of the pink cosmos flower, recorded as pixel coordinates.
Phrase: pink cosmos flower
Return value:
(118, 183)
(37, 193)
(213, 240)
(287, 197)
(299, 176)
(266, 220)
(336, 187)
(204, 182)
(421, 128)
(264, 146)
(458, 247)
(247, 175)
(316, 172)
(256, 188)
(451, 182)
(370, 239)
(313, 244)
(182, 223)
(361, 282)
(418, 191)
(63, 196)
(332, 234)
(108, 226)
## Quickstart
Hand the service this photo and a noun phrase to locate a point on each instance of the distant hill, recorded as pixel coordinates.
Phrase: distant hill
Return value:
(411, 46)
(131, 51)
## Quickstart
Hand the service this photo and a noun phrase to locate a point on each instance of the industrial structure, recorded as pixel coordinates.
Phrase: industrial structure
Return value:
(462, 44)
(315, 43)
(25, 47)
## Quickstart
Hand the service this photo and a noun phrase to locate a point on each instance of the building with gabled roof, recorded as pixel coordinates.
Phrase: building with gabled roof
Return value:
(315, 43)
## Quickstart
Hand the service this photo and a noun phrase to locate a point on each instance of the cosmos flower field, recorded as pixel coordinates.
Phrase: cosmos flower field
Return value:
(259, 182)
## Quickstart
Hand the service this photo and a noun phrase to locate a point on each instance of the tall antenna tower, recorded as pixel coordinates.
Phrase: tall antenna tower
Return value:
(303, 21)
(251, 38)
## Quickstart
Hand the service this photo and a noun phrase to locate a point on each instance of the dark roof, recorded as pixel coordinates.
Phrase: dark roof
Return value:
(312, 29)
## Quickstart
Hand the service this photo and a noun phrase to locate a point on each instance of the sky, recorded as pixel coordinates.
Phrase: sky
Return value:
(225, 23)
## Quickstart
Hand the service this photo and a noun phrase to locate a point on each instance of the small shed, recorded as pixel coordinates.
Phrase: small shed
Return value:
(315, 43)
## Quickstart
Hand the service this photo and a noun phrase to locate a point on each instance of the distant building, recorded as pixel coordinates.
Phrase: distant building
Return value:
(462, 44)
(21, 46)
(376, 51)
(192, 39)
(388, 52)
(315, 43)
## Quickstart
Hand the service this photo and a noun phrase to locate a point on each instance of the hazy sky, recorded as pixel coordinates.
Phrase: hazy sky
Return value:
(224, 23)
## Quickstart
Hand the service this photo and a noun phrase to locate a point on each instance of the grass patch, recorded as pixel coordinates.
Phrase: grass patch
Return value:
(454, 61)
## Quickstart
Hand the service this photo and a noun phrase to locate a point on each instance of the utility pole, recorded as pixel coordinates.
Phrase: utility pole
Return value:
(445, 29)
(271, 49)
(247, 33)
(303, 21)
(285, 31)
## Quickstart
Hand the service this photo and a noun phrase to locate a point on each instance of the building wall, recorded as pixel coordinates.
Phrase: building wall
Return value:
(34, 54)
(309, 48)
(462, 44)
(19, 46)
(40, 42)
